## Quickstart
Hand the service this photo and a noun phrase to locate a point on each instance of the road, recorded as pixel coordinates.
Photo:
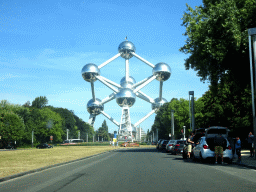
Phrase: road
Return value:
(139, 169)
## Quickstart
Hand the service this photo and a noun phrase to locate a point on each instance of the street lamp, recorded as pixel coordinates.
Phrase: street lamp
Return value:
(172, 136)
(192, 108)
(252, 33)
(184, 128)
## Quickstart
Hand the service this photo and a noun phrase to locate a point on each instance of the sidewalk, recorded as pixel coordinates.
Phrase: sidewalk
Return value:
(246, 160)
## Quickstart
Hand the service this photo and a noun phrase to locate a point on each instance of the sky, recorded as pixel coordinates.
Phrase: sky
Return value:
(45, 44)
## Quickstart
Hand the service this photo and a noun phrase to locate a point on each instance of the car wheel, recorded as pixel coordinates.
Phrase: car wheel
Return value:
(184, 155)
(230, 161)
(201, 158)
(192, 156)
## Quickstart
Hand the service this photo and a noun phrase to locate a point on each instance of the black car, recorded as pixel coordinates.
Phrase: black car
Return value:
(7, 145)
(44, 146)
(163, 144)
(158, 143)
(178, 148)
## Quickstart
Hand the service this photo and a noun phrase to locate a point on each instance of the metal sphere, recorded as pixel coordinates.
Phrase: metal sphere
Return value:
(128, 84)
(163, 71)
(89, 72)
(125, 48)
(158, 103)
(94, 107)
(125, 97)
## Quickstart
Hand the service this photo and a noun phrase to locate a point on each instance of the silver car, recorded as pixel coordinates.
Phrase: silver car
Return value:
(202, 151)
(170, 145)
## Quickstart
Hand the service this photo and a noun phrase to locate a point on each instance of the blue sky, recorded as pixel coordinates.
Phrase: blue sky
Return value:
(45, 44)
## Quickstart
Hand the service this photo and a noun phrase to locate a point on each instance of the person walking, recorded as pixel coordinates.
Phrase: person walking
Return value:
(219, 142)
(190, 142)
(238, 149)
(251, 142)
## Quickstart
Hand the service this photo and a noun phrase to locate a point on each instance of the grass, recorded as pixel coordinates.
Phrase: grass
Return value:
(17, 161)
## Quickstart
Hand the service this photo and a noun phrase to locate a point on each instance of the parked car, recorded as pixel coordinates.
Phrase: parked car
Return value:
(163, 144)
(153, 143)
(205, 150)
(158, 143)
(170, 145)
(198, 134)
(43, 146)
(7, 145)
(178, 147)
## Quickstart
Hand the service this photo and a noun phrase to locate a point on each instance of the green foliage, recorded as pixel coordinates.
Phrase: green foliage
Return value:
(218, 40)
(11, 126)
(103, 131)
(40, 102)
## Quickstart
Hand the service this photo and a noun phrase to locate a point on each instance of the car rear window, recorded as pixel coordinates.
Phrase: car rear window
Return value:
(217, 131)
(180, 142)
(165, 142)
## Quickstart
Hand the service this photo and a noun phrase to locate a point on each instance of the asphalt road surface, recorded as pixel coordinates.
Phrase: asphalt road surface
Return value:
(140, 169)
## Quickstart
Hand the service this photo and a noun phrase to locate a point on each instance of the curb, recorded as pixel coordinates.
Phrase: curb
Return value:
(47, 167)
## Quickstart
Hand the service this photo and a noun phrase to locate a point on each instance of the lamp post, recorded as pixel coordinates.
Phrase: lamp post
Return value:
(252, 33)
(184, 129)
(67, 133)
(172, 132)
(192, 110)
(32, 137)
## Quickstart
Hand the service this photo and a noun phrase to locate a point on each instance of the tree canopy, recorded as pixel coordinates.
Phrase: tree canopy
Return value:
(218, 40)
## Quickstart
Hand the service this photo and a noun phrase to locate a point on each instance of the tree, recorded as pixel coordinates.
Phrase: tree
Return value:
(11, 126)
(27, 104)
(218, 40)
(40, 102)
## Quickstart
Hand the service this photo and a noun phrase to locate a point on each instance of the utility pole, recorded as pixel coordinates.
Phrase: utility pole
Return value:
(252, 33)
(172, 112)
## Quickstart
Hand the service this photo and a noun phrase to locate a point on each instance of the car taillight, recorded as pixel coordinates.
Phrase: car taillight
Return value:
(229, 147)
(205, 147)
(170, 144)
(177, 145)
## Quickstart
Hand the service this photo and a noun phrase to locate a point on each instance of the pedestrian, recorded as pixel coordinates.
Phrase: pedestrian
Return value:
(190, 142)
(117, 143)
(238, 149)
(219, 142)
(110, 143)
(251, 142)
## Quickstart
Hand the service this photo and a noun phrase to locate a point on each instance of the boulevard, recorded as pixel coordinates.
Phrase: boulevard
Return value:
(136, 169)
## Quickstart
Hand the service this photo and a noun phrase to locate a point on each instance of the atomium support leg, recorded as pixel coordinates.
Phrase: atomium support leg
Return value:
(144, 118)
(93, 94)
(143, 60)
(144, 84)
(108, 61)
(161, 90)
(110, 118)
(92, 120)
(106, 83)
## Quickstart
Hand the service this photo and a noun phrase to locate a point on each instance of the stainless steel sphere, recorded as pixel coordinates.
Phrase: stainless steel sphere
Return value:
(158, 103)
(89, 72)
(125, 48)
(94, 107)
(128, 84)
(125, 97)
(163, 71)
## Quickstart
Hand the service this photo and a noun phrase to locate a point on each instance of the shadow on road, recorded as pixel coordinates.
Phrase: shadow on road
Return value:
(125, 150)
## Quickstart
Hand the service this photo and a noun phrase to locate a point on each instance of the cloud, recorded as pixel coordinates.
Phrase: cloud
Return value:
(7, 76)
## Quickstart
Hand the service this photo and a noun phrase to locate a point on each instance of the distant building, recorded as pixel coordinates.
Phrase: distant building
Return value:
(140, 134)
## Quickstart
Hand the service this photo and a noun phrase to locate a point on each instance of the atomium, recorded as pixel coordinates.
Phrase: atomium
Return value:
(126, 92)
(127, 84)
(163, 71)
(89, 72)
(125, 49)
(125, 97)
(158, 103)
(95, 107)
